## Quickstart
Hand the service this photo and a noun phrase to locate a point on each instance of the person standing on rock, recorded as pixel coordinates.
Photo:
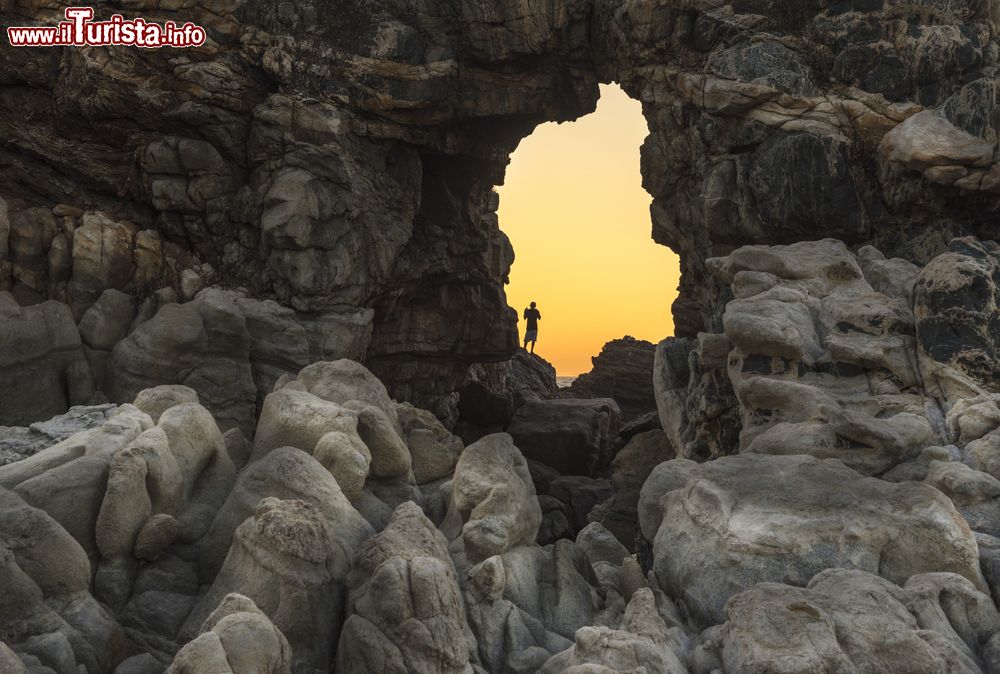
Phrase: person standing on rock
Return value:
(532, 315)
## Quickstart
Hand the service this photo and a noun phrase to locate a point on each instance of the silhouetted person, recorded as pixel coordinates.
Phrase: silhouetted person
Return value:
(532, 315)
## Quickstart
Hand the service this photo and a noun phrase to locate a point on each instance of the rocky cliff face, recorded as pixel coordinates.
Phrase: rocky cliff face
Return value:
(212, 239)
(340, 159)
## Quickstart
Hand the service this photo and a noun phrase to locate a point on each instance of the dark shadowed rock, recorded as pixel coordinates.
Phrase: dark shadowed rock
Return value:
(576, 437)
(42, 368)
(622, 371)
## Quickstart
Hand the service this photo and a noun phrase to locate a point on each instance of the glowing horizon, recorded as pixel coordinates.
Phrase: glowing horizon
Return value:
(567, 188)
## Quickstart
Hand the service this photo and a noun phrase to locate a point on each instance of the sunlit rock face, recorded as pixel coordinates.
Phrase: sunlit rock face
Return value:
(339, 160)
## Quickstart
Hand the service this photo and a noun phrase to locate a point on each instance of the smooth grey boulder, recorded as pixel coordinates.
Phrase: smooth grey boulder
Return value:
(494, 498)
(849, 620)
(824, 516)
(158, 399)
(204, 345)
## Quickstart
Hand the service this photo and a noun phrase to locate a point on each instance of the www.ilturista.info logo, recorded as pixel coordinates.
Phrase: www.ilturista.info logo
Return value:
(79, 30)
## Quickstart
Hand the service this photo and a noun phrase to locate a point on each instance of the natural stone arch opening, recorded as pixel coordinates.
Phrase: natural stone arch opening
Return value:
(574, 209)
(759, 133)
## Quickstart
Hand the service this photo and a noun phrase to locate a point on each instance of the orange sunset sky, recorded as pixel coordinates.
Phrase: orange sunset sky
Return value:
(575, 211)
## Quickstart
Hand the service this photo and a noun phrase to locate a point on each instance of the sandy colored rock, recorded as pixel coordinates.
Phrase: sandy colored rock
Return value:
(347, 458)
(390, 457)
(640, 645)
(290, 474)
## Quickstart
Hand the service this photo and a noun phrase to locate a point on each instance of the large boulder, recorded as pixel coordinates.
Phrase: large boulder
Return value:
(229, 348)
(10, 662)
(204, 345)
(166, 486)
(824, 515)
(406, 608)
(236, 638)
(294, 418)
(853, 621)
(531, 378)
(157, 400)
(102, 326)
(42, 367)
(290, 558)
(340, 381)
(576, 437)
(69, 480)
(641, 644)
(622, 371)
(45, 608)
(290, 474)
(494, 498)
(434, 451)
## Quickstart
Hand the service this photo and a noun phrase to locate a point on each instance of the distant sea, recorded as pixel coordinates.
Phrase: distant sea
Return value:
(564, 381)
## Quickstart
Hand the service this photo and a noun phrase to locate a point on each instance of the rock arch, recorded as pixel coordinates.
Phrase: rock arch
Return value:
(339, 158)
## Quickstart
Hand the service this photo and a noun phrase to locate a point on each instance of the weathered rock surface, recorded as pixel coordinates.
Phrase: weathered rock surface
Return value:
(335, 166)
(494, 498)
(957, 311)
(236, 638)
(823, 516)
(642, 644)
(291, 561)
(20, 442)
(361, 534)
(848, 620)
(576, 437)
(344, 169)
(407, 613)
(42, 368)
(623, 371)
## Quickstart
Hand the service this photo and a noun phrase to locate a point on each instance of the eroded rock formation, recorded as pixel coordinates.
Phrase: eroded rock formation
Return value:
(202, 247)
(340, 161)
